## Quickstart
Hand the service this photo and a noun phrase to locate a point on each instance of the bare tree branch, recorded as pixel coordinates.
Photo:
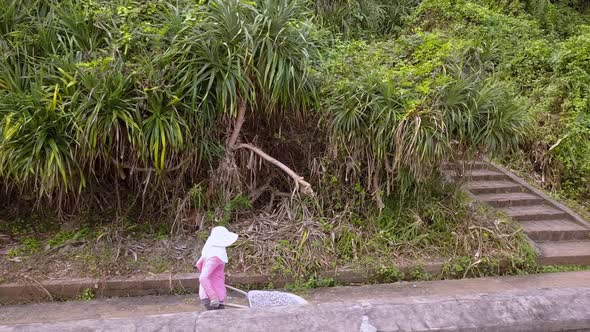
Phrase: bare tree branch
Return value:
(299, 182)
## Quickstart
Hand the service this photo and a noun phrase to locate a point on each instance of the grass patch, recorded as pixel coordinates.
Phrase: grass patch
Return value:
(311, 283)
(385, 274)
(420, 275)
(562, 268)
(17, 224)
(87, 295)
(61, 238)
(30, 245)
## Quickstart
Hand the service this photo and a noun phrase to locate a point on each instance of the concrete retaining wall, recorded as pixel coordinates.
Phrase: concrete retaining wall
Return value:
(563, 309)
(161, 284)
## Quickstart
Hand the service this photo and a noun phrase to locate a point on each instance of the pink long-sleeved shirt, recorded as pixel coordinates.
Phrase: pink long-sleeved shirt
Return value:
(212, 278)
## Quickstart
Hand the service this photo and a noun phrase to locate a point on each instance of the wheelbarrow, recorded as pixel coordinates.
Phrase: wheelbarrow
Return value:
(265, 299)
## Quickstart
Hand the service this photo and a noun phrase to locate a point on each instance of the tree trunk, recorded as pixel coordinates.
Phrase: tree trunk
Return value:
(232, 146)
(238, 125)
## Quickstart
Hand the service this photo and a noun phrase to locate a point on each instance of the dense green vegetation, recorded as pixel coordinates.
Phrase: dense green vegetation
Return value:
(152, 98)
(329, 116)
(541, 50)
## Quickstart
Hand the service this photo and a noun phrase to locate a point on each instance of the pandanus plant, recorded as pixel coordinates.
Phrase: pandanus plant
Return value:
(245, 58)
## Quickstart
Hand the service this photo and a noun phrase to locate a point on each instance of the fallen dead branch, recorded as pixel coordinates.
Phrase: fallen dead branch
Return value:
(41, 287)
(300, 183)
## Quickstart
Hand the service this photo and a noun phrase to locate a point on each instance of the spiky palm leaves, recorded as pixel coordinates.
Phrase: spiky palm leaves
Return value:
(246, 58)
(81, 99)
(353, 17)
(128, 94)
(37, 146)
(480, 114)
(392, 123)
(256, 54)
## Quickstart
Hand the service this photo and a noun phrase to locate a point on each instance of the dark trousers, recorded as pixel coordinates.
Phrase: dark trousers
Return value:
(207, 304)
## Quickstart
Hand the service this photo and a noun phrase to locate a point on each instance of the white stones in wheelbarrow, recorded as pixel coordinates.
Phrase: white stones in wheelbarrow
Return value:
(265, 299)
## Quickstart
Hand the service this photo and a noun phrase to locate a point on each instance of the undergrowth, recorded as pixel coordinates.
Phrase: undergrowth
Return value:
(440, 225)
(314, 129)
(539, 48)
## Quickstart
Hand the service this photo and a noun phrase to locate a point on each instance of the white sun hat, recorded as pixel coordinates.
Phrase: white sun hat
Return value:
(219, 239)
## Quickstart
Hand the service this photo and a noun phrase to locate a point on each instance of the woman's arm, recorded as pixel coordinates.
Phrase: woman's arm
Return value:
(199, 263)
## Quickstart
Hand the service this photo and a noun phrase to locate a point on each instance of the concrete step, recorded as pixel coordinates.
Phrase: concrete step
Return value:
(534, 213)
(478, 175)
(555, 230)
(510, 199)
(494, 187)
(564, 253)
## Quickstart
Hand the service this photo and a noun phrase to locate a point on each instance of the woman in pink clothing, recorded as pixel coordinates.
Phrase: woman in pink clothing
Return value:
(212, 267)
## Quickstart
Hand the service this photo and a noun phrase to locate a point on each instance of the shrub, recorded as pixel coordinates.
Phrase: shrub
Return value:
(407, 106)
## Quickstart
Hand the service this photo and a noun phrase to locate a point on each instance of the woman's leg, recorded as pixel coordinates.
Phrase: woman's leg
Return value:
(207, 304)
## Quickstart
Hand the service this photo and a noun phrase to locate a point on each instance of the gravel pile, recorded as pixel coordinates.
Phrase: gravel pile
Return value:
(264, 299)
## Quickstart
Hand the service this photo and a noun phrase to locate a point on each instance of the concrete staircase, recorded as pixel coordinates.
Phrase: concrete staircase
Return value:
(560, 236)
